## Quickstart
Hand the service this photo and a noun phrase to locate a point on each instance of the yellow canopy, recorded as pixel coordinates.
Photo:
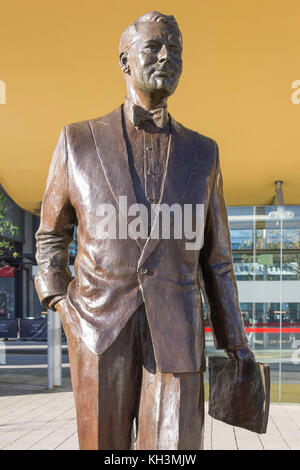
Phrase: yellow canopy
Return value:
(59, 65)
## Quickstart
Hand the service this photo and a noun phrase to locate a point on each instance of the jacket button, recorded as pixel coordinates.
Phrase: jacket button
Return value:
(146, 271)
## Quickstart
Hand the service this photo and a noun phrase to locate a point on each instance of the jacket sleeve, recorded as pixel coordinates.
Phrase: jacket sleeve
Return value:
(55, 232)
(216, 267)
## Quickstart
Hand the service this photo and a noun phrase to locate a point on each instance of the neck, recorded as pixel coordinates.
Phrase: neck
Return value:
(147, 102)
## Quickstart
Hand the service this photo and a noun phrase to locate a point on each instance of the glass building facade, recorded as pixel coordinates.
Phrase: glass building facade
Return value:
(266, 253)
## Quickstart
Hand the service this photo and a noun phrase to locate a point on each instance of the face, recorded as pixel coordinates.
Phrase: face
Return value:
(155, 60)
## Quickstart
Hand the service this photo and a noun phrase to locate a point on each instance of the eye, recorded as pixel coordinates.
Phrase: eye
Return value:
(152, 47)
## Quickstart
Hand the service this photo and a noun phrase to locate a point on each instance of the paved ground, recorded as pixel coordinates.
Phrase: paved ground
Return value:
(31, 417)
(283, 432)
(46, 421)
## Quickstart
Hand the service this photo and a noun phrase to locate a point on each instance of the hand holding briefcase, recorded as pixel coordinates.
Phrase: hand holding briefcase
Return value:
(243, 403)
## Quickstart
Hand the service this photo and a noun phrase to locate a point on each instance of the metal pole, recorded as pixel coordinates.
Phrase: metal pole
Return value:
(280, 309)
(54, 350)
(254, 276)
(279, 193)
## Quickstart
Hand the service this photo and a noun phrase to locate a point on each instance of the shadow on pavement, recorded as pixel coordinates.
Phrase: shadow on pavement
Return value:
(27, 381)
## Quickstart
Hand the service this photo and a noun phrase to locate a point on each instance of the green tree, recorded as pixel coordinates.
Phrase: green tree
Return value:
(7, 230)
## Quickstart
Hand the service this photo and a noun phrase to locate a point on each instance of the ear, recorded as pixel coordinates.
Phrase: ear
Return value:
(123, 61)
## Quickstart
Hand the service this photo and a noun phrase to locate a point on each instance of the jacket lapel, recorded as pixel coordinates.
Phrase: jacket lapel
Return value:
(112, 152)
(177, 176)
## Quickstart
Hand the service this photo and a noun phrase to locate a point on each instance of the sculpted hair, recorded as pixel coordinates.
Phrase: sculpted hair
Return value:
(129, 36)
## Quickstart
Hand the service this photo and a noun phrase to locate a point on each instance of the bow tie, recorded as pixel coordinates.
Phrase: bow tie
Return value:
(155, 116)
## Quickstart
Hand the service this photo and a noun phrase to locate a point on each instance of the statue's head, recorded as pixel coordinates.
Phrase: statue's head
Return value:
(151, 54)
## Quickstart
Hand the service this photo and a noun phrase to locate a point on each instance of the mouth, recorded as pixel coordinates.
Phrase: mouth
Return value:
(164, 73)
(161, 73)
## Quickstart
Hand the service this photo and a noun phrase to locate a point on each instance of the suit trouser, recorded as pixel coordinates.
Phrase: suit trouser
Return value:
(121, 385)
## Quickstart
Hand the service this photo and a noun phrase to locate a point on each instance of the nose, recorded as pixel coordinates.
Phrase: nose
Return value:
(163, 55)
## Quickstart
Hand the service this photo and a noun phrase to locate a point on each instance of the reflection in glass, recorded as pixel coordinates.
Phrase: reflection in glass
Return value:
(266, 256)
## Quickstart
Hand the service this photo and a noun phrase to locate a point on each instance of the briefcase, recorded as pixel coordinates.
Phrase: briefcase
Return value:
(242, 403)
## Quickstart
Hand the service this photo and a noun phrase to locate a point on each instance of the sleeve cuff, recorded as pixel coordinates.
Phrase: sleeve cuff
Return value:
(54, 300)
(52, 286)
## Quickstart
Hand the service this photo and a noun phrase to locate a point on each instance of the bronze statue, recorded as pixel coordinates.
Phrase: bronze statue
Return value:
(133, 312)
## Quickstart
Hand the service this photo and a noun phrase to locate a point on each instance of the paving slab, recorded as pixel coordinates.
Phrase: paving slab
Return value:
(46, 420)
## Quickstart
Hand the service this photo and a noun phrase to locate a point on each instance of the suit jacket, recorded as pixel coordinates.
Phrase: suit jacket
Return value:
(113, 277)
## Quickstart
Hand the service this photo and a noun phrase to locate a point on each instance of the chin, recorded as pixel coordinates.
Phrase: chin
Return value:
(164, 89)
